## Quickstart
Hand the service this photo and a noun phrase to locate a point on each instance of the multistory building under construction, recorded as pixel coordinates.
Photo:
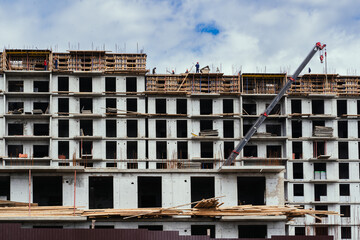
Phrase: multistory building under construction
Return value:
(95, 130)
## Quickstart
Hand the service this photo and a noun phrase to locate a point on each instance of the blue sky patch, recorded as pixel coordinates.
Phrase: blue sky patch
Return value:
(207, 28)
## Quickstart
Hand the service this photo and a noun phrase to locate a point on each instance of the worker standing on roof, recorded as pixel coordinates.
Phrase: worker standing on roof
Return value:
(45, 64)
(154, 70)
(197, 67)
(173, 72)
(187, 71)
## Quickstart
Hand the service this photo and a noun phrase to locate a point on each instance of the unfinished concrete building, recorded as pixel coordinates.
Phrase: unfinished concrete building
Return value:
(93, 129)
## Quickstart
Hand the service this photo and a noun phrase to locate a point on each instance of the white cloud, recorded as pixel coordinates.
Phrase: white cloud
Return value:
(253, 34)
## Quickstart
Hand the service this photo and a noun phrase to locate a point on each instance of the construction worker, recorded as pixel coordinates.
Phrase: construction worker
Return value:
(197, 67)
(45, 64)
(154, 70)
(173, 72)
(56, 63)
(187, 71)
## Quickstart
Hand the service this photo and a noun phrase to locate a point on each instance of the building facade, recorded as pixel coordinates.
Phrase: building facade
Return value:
(94, 129)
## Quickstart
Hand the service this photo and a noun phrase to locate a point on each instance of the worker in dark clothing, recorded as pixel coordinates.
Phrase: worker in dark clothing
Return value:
(187, 71)
(309, 70)
(154, 70)
(197, 67)
(173, 72)
(45, 64)
(56, 63)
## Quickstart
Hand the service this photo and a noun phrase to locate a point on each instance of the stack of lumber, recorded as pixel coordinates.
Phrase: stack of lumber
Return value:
(206, 207)
(321, 131)
(5, 203)
(208, 203)
(209, 132)
(36, 211)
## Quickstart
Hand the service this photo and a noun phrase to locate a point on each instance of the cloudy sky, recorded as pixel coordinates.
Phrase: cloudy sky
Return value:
(233, 35)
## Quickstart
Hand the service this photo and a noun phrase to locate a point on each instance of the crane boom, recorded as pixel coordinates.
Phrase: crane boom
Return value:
(230, 160)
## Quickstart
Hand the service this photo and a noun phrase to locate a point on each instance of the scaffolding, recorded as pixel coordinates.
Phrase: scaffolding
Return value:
(193, 83)
(72, 61)
(254, 83)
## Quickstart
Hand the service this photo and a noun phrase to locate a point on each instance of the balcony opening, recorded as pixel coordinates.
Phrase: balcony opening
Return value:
(320, 208)
(63, 149)
(202, 188)
(131, 105)
(207, 149)
(132, 128)
(131, 84)
(182, 150)
(344, 189)
(86, 127)
(346, 233)
(41, 108)
(110, 84)
(161, 150)
(15, 150)
(345, 210)
(246, 128)
(206, 106)
(343, 150)
(273, 151)
(132, 166)
(86, 105)
(251, 190)
(5, 188)
(149, 192)
(63, 106)
(298, 190)
(16, 86)
(87, 150)
(41, 86)
(206, 125)
(111, 128)
(320, 171)
(276, 110)
(111, 150)
(101, 192)
(250, 151)
(15, 129)
(160, 128)
(343, 170)
(181, 106)
(63, 84)
(41, 129)
(41, 151)
(295, 106)
(343, 129)
(252, 231)
(63, 128)
(249, 109)
(16, 107)
(85, 84)
(228, 126)
(111, 105)
(151, 227)
(228, 106)
(296, 129)
(132, 149)
(206, 230)
(298, 171)
(317, 106)
(321, 231)
(320, 192)
(48, 191)
(297, 151)
(161, 166)
(299, 231)
(274, 129)
(228, 148)
(341, 107)
(160, 106)
(181, 128)
(319, 149)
